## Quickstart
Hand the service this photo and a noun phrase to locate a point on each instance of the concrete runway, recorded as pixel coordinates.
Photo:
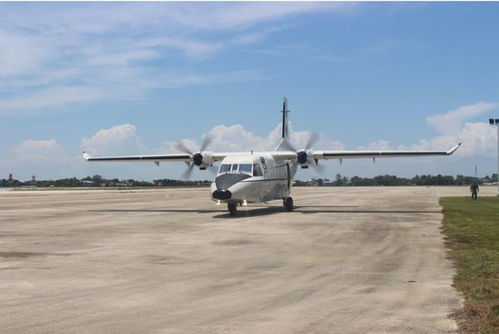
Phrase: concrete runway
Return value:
(348, 260)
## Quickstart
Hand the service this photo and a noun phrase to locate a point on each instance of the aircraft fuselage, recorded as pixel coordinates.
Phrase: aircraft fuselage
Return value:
(253, 178)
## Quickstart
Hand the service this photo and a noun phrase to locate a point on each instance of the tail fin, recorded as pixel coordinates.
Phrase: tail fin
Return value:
(285, 118)
(284, 144)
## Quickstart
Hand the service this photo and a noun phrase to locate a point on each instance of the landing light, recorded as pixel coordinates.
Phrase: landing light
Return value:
(245, 203)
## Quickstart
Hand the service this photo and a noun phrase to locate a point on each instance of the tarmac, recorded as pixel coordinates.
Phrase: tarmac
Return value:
(347, 260)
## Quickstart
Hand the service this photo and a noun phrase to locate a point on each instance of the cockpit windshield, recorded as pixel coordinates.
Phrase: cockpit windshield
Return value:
(245, 168)
(224, 168)
(236, 168)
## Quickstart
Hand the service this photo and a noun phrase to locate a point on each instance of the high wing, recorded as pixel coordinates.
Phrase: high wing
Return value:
(378, 154)
(316, 155)
(182, 157)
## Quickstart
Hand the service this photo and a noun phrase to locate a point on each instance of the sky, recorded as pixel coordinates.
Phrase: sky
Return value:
(131, 78)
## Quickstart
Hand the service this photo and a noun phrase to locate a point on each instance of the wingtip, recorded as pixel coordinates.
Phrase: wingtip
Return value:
(452, 150)
(86, 156)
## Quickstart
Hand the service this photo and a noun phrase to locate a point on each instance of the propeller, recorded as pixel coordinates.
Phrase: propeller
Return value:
(197, 158)
(302, 155)
(312, 140)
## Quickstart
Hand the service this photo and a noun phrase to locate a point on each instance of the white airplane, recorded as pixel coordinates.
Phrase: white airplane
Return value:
(253, 177)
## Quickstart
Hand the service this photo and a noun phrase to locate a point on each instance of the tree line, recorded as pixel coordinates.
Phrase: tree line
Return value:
(392, 180)
(380, 180)
(99, 181)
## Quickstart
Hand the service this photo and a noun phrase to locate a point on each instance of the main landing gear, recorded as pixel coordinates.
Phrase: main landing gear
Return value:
(288, 203)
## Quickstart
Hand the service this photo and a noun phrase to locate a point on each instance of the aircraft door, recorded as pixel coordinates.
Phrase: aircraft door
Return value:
(289, 176)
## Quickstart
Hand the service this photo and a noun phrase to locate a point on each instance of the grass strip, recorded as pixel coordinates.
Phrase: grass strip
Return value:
(472, 236)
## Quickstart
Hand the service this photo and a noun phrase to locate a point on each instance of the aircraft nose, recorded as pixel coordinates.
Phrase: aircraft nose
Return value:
(225, 181)
(222, 194)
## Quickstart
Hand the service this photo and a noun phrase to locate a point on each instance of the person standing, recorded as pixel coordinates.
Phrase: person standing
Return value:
(474, 190)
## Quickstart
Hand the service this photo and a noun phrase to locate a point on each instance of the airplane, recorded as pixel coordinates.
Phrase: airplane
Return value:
(254, 177)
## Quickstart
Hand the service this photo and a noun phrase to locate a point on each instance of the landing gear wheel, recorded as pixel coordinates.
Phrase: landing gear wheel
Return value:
(232, 208)
(288, 204)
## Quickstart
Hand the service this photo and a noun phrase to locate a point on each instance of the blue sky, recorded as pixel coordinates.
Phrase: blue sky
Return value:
(135, 77)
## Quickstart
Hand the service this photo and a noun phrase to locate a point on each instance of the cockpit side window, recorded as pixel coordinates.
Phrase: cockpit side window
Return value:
(234, 168)
(224, 168)
(257, 170)
(245, 168)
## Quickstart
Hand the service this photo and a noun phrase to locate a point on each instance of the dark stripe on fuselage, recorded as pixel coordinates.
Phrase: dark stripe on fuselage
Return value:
(265, 180)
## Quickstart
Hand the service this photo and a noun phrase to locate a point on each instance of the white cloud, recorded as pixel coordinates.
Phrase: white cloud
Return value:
(451, 122)
(105, 51)
(120, 139)
(51, 97)
(377, 145)
(478, 139)
(20, 54)
(192, 48)
(37, 150)
(124, 139)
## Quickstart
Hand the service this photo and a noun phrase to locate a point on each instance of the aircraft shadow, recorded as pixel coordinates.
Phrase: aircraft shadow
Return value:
(265, 211)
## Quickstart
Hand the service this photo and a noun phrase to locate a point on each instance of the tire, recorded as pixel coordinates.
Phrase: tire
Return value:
(288, 203)
(232, 209)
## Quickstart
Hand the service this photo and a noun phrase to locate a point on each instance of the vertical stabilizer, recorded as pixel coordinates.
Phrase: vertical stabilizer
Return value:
(284, 144)
(285, 117)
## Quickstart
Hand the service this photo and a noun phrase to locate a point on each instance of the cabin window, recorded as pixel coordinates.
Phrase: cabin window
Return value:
(257, 170)
(245, 168)
(225, 168)
(234, 168)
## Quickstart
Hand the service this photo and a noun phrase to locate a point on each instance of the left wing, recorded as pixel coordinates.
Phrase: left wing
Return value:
(304, 156)
(378, 154)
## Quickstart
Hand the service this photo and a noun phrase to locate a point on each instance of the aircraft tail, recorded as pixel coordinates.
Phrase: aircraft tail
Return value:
(284, 143)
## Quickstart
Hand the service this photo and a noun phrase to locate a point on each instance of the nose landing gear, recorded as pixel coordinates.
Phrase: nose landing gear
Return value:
(232, 208)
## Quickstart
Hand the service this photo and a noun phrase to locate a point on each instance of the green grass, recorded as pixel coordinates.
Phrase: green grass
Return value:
(472, 235)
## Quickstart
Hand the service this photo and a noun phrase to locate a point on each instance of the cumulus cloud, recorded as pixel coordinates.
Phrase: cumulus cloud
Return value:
(120, 139)
(451, 123)
(477, 138)
(124, 139)
(38, 150)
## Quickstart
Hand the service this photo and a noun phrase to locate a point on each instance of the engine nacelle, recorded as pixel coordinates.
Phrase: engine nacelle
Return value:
(203, 159)
(305, 158)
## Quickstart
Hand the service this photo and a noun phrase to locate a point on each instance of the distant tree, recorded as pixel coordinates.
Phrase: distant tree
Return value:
(338, 180)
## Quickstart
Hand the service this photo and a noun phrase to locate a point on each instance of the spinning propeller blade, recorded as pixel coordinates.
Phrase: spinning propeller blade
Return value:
(183, 148)
(312, 140)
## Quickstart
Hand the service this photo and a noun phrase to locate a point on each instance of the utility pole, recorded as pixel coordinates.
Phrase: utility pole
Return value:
(495, 122)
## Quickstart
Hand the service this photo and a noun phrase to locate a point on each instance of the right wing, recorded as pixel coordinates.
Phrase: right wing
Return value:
(154, 158)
